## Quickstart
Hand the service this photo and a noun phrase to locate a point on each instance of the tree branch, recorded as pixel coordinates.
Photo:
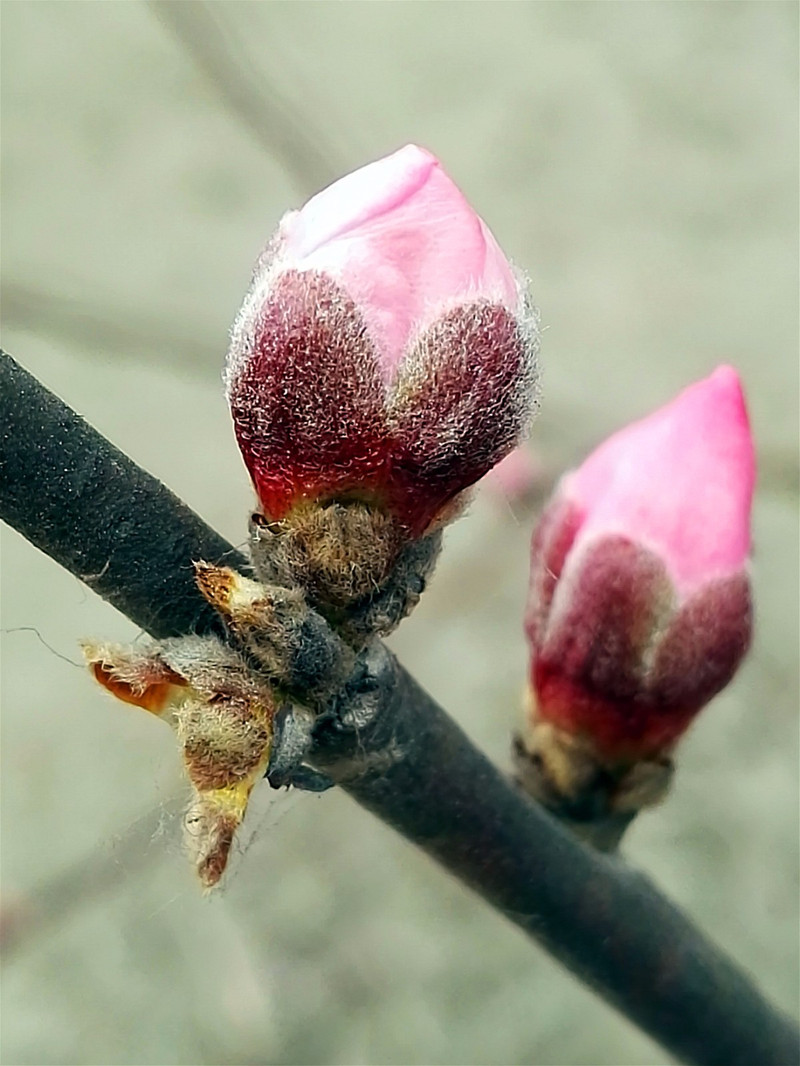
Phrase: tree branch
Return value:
(80, 500)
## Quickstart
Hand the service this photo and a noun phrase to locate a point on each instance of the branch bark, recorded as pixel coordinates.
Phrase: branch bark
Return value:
(80, 500)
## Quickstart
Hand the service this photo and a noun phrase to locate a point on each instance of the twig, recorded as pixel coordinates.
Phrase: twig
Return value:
(92, 509)
(393, 749)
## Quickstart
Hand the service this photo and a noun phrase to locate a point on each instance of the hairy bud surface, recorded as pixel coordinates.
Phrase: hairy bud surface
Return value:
(385, 352)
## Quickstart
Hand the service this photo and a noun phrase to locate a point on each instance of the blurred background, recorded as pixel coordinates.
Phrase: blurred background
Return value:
(639, 160)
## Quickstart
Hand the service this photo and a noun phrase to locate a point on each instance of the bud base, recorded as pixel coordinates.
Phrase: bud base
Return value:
(351, 558)
(595, 795)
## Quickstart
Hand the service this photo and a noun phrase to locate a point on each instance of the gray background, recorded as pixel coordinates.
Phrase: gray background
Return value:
(640, 161)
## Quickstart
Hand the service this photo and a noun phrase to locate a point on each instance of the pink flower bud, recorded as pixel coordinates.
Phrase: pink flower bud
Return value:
(639, 608)
(385, 351)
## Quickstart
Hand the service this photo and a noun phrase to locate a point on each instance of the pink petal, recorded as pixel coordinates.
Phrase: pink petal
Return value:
(680, 482)
(403, 242)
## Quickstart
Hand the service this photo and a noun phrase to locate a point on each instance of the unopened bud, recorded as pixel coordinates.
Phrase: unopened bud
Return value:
(384, 358)
(639, 609)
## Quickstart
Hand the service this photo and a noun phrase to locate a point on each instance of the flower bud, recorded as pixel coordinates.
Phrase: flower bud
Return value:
(385, 352)
(639, 609)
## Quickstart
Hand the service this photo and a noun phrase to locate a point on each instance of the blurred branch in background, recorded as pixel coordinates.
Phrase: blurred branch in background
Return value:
(281, 128)
(126, 330)
(83, 882)
(391, 748)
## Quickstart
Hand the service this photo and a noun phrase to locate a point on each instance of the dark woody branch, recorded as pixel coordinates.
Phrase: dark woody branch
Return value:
(92, 509)
(80, 500)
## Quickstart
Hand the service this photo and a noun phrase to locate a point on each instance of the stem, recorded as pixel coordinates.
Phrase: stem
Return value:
(393, 749)
(604, 834)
